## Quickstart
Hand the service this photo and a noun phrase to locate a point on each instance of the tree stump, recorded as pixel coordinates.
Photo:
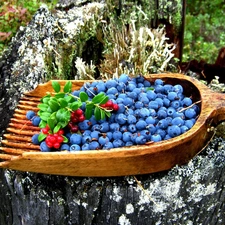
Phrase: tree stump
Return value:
(189, 194)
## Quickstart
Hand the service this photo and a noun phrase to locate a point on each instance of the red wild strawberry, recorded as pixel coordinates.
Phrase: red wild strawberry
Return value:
(81, 118)
(78, 112)
(60, 132)
(56, 145)
(115, 107)
(109, 104)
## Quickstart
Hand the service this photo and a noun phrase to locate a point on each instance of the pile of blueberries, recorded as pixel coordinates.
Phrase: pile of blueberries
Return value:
(147, 112)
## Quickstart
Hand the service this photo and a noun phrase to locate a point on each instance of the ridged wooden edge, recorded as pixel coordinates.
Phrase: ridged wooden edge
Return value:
(122, 161)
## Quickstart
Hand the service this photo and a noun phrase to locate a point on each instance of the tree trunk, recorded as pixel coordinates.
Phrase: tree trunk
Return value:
(189, 194)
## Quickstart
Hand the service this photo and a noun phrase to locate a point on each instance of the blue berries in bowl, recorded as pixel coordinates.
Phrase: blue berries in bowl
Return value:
(119, 112)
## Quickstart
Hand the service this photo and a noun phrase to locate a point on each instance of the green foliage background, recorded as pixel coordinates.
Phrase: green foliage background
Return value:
(204, 29)
(16, 13)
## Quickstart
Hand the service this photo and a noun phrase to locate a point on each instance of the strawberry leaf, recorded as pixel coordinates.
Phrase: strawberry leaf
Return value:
(75, 105)
(56, 86)
(97, 113)
(63, 103)
(98, 98)
(67, 87)
(41, 137)
(83, 96)
(63, 115)
(43, 106)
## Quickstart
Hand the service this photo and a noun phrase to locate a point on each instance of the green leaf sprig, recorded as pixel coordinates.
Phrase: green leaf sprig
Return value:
(55, 108)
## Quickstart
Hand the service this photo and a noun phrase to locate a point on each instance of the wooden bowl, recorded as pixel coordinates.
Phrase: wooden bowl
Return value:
(19, 154)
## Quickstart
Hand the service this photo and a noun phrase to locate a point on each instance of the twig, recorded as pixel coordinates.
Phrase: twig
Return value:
(139, 184)
(189, 106)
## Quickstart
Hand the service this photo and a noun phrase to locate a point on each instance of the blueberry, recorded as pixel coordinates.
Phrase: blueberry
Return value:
(121, 118)
(96, 127)
(84, 139)
(139, 104)
(146, 133)
(168, 88)
(111, 83)
(159, 101)
(173, 130)
(30, 114)
(44, 147)
(178, 88)
(85, 147)
(129, 143)
(186, 101)
(117, 135)
(170, 111)
(119, 100)
(150, 120)
(147, 83)
(103, 140)
(131, 119)
(75, 147)
(161, 114)
(34, 139)
(123, 128)
(132, 128)
(161, 132)
(162, 124)
(87, 132)
(172, 96)
(175, 104)
(184, 129)
(94, 145)
(76, 139)
(159, 89)
(95, 134)
(156, 138)
(121, 108)
(108, 145)
(128, 101)
(109, 135)
(151, 95)
(85, 125)
(189, 123)
(114, 126)
(118, 143)
(153, 105)
(144, 113)
(130, 87)
(65, 147)
(132, 95)
(104, 127)
(141, 124)
(36, 120)
(140, 140)
(158, 82)
(140, 79)
(127, 136)
(190, 113)
(124, 78)
(100, 86)
(120, 87)
(112, 91)
(177, 121)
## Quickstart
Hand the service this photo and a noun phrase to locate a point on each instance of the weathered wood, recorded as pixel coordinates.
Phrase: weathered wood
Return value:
(133, 160)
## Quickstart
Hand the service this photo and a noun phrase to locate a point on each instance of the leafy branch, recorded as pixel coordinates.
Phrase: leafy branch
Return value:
(55, 108)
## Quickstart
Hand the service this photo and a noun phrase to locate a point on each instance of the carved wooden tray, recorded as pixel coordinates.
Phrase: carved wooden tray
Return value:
(18, 153)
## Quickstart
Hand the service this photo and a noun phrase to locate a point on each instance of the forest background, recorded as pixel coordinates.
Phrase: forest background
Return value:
(204, 31)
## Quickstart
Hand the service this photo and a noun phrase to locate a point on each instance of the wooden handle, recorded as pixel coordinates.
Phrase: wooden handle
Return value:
(217, 100)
